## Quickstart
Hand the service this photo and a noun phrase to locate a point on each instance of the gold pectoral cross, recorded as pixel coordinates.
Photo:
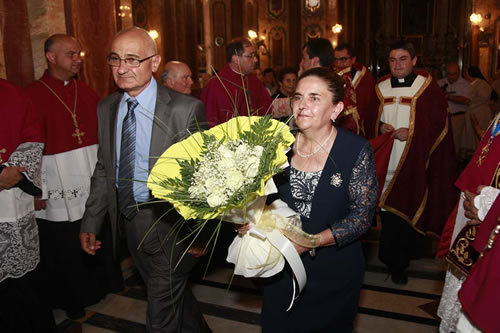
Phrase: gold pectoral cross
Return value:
(2, 151)
(484, 152)
(78, 134)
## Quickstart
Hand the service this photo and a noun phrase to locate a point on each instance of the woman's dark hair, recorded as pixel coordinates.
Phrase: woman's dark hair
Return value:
(474, 71)
(334, 82)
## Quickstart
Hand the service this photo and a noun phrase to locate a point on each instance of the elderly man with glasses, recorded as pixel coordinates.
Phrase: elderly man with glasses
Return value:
(136, 125)
(236, 87)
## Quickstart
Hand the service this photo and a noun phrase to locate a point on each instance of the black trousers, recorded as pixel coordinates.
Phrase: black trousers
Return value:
(23, 307)
(73, 279)
(399, 242)
(171, 304)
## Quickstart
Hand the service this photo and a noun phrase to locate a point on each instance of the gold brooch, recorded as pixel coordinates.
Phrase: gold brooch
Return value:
(336, 180)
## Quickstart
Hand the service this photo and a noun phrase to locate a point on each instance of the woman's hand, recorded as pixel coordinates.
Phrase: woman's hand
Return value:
(300, 249)
(241, 229)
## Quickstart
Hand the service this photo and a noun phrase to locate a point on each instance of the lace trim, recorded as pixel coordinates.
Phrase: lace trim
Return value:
(450, 307)
(19, 247)
(303, 184)
(363, 189)
(484, 201)
(71, 194)
(29, 155)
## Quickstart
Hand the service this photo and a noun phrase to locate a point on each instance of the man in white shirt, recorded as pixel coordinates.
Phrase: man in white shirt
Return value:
(457, 91)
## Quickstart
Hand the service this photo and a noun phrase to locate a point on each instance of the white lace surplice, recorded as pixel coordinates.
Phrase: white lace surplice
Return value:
(450, 308)
(66, 183)
(19, 247)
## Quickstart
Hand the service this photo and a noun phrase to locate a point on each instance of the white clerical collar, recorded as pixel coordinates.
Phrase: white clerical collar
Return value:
(401, 80)
(235, 71)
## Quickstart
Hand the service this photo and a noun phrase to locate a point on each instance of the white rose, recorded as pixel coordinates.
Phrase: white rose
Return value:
(209, 184)
(242, 151)
(234, 179)
(226, 164)
(225, 153)
(216, 199)
(258, 150)
(252, 166)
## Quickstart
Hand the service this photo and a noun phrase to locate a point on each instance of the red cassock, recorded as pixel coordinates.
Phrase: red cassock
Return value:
(480, 292)
(360, 93)
(225, 94)
(19, 123)
(471, 178)
(366, 97)
(57, 120)
(349, 118)
(421, 191)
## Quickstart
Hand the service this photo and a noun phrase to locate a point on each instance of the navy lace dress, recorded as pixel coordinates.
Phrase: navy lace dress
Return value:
(341, 197)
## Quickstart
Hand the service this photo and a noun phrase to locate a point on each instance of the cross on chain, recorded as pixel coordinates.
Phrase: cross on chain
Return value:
(78, 134)
(2, 151)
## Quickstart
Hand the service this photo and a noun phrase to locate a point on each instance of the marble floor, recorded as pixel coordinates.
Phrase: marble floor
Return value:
(383, 307)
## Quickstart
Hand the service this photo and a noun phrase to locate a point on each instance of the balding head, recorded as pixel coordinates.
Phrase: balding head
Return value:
(177, 76)
(133, 44)
(453, 72)
(62, 53)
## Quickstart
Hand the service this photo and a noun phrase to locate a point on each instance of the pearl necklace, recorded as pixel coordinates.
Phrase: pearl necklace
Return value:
(317, 149)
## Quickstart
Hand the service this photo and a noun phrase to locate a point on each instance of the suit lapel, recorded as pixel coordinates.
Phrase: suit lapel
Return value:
(161, 136)
(113, 111)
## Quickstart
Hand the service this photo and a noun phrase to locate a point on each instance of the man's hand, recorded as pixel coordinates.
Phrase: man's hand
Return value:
(40, 204)
(386, 128)
(198, 250)
(401, 134)
(470, 209)
(89, 243)
(10, 176)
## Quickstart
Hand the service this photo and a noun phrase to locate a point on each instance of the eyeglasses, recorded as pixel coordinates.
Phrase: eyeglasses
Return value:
(115, 61)
(342, 59)
(249, 56)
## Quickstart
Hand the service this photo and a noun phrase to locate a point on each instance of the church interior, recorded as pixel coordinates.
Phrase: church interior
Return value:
(196, 32)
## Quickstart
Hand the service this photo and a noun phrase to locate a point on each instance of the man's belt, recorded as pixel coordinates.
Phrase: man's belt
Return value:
(457, 113)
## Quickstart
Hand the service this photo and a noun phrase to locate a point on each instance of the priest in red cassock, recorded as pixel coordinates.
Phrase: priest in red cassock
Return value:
(459, 234)
(235, 89)
(418, 192)
(363, 84)
(67, 108)
(480, 293)
(22, 306)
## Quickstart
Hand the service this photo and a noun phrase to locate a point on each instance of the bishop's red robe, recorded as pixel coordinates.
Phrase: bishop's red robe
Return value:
(421, 191)
(221, 105)
(480, 292)
(470, 179)
(68, 162)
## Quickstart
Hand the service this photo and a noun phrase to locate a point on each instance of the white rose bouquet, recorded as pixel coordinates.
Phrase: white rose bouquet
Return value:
(225, 173)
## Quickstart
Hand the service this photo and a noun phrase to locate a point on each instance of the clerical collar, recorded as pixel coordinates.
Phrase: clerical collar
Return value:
(236, 72)
(403, 82)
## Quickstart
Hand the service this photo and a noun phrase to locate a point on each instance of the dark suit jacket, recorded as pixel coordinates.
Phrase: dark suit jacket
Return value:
(174, 113)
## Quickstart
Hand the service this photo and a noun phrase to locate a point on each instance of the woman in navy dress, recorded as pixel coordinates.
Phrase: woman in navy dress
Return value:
(331, 183)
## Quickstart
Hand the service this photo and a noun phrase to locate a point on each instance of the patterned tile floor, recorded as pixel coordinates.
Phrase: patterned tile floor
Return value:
(384, 306)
